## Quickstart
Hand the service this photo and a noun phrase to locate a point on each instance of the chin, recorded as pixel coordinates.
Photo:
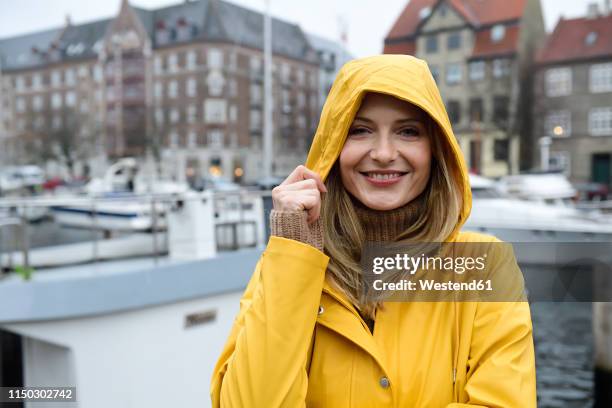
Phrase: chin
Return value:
(381, 204)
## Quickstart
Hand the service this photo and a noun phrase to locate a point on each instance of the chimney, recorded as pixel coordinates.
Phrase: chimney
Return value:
(606, 8)
(68, 20)
(592, 10)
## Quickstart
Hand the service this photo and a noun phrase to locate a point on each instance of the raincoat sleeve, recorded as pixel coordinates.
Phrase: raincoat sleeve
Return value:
(501, 363)
(263, 363)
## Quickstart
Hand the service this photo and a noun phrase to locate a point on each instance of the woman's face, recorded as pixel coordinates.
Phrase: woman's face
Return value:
(386, 160)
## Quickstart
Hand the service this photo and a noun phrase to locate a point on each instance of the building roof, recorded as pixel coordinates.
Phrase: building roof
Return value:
(207, 20)
(570, 40)
(484, 46)
(480, 14)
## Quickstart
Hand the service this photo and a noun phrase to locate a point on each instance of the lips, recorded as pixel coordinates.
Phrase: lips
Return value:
(383, 177)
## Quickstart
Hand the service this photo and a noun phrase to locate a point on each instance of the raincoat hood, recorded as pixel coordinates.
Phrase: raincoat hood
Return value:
(402, 76)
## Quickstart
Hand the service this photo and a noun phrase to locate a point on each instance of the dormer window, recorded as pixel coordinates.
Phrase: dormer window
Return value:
(183, 29)
(424, 12)
(590, 38)
(498, 32)
(162, 34)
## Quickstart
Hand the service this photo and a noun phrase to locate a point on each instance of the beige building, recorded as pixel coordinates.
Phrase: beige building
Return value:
(183, 83)
(481, 55)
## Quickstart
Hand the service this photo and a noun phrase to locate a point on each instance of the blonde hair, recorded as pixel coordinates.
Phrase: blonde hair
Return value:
(439, 209)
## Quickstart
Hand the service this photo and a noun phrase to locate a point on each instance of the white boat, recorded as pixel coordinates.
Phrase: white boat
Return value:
(122, 201)
(549, 188)
(515, 219)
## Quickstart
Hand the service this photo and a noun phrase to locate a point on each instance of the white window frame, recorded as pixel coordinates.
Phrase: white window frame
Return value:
(498, 32)
(56, 100)
(191, 60)
(558, 81)
(501, 67)
(173, 89)
(214, 58)
(69, 77)
(215, 138)
(600, 77)
(191, 87)
(70, 99)
(477, 74)
(562, 118)
(175, 115)
(158, 68)
(192, 112)
(453, 78)
(172, 63)
(215, 111)
(600, 121)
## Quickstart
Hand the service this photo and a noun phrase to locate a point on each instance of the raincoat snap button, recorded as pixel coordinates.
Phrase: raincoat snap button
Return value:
(321, 310)
(384, 382)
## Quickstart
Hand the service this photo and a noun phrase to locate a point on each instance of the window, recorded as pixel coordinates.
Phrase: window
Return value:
(558, 81)
(37, 103)
(192, 138)
(215, 58)
(98, 73)
(431, 44)
(20, 105)
(453, 41)
(56, 78)
(70, 99)
(37, 82)
(453, 73)
(500, 111)
(600, 121)
(301, 100)
(158, 90)
(299, 73)
(601, 77)
(214, 111)
(454, 111)
(159, 116)
(498, 32)
(56, 122)
(476, 110)
(500, 149)
(19, 84)
(83, 71)
(233, 88)
(286, 101)
(255, 67)
(501, 67)
(56, 100)
(233, 113)
(285, 73)
(157, 65)
(590, 38)
(175, 115)
(192, 112)
(477, 70)
(69, 77)
(256, 94)
(192, 60)
(173, 139)
(215, 138)
(84, 107)
(255, 120)
(192, 87)
(172, 63)
(172, 89)
(435, 72)
(558, 123)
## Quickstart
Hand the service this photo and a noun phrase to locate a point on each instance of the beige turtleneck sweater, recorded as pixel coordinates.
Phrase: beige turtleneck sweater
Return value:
(379, 226)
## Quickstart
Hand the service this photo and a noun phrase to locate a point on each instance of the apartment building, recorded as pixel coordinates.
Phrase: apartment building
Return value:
(481, 55)
(574, 96)
(183, 84)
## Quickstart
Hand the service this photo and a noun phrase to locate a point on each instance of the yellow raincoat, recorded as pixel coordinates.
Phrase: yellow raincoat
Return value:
(298, 342)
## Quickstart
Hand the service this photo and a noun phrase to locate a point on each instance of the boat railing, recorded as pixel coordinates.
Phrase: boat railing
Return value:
(234, 213)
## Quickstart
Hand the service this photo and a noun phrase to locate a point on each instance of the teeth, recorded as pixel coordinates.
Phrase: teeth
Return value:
(378, 176)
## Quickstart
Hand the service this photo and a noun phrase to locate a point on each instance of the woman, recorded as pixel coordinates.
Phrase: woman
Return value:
(384, 166)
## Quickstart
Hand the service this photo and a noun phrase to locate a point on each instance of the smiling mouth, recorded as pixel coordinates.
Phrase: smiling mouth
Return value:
(383, 175)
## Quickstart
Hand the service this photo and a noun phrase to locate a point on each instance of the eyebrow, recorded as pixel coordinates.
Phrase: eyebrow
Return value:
(406, 120)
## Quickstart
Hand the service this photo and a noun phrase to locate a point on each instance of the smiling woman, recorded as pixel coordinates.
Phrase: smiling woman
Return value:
(384, 167)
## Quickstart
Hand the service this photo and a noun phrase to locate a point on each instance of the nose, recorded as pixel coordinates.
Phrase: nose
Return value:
(383, 150)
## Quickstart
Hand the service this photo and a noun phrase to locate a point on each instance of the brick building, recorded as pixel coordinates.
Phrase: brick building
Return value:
(182, 83)
(574, 96)
(481, 55)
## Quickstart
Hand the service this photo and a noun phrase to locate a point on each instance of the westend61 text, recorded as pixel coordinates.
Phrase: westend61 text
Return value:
(432, 285)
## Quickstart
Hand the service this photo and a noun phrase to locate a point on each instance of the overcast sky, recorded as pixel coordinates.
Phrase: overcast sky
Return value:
(367, 21)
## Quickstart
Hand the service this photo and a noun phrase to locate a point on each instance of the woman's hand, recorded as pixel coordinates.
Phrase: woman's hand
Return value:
(301, 191)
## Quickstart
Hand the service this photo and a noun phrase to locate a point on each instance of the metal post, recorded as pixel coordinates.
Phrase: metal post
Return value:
(154, 229)
(25, 242)
(94, 229)
(545, 143)
(267, 128)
